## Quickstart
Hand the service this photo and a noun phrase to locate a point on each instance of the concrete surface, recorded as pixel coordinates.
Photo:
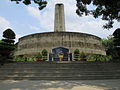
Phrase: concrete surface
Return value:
(60, 85)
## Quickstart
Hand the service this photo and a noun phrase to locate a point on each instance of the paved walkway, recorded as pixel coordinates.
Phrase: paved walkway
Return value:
(60, 85)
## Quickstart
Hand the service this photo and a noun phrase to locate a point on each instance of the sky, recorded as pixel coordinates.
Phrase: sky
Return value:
(25, 20)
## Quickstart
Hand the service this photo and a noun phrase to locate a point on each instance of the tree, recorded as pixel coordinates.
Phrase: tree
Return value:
(110, 47)
(8, 33)
(7, 44)
(116, 42)
(41, 3)
(109, 10)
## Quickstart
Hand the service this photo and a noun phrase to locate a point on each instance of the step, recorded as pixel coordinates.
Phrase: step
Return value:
(64, 63)
(49, 70)
(53, 65)
(85, 77)
(58, 65)
(58, 73)
(56, 68)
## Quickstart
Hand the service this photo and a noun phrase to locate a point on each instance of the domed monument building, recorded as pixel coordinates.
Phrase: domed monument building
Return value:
(59, 42)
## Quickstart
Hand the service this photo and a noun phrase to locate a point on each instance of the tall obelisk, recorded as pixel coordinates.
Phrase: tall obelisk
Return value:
(59, 22)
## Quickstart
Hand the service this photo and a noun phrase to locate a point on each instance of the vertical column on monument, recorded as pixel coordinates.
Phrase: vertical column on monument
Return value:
(59, 22)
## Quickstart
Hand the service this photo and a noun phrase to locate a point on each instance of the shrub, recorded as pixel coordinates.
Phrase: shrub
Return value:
(96, 57)
(82, 56)
(76, 54)
(39, 57)
(44, 54)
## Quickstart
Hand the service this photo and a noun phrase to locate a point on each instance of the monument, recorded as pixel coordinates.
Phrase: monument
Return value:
(59, 24)
(60, 43)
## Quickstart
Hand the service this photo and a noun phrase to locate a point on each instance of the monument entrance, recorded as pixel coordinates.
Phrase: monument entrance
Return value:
(59, 54)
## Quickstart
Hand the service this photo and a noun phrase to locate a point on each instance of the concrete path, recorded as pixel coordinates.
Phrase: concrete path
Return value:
(60, 85)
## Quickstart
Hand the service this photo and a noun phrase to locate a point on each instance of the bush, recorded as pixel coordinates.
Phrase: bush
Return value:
(76, 54)
(44, 54)
(83, 56)
(39, 57)
(76, 51)
(102, 58)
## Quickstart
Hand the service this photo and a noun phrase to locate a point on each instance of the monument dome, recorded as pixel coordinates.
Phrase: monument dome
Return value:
(60, 40)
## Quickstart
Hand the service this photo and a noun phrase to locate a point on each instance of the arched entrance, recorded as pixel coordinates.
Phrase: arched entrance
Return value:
(60, 52)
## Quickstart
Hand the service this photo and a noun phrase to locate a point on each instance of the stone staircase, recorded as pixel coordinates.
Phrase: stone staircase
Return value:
(59, 71)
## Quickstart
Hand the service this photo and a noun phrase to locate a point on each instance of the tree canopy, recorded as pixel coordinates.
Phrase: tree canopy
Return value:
(41, 3)
(109, 45)
(7, 45)
(109, 10)
(9, 34)
(116, 41)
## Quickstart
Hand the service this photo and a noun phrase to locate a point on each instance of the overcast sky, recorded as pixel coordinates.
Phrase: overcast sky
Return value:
(26, 20)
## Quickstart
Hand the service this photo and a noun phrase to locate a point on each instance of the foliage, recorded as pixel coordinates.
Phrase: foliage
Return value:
(117, 37)
(41, 3)
(111, 49)
(4, 46)
(116, 42)
(82, 55)
(39, 55)
(8, 40)
(44, 52)
(76, 51)
(108, 10)
(19, 58)
(76, 54)
(96, 57)
(7, 45)
(1, 41)
(109, 46)
(9, 34)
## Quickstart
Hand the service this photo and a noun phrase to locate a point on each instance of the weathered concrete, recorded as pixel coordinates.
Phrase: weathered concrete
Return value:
(60, 71)
(59, 23)
(60, 85)
(35, 43)
(32, 44)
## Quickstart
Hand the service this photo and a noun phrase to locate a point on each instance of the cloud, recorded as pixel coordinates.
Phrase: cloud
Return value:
(4, 24)
(33, 11)
(45, 18)
(74, 23)
(34, 28)
(17, 37)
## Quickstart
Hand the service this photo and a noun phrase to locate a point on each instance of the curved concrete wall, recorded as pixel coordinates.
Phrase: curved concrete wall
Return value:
(32, 44)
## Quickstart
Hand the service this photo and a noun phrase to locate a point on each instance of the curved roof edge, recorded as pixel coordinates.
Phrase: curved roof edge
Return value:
(59, 32)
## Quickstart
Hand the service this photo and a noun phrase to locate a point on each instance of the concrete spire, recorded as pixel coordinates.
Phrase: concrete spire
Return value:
(59, 22)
